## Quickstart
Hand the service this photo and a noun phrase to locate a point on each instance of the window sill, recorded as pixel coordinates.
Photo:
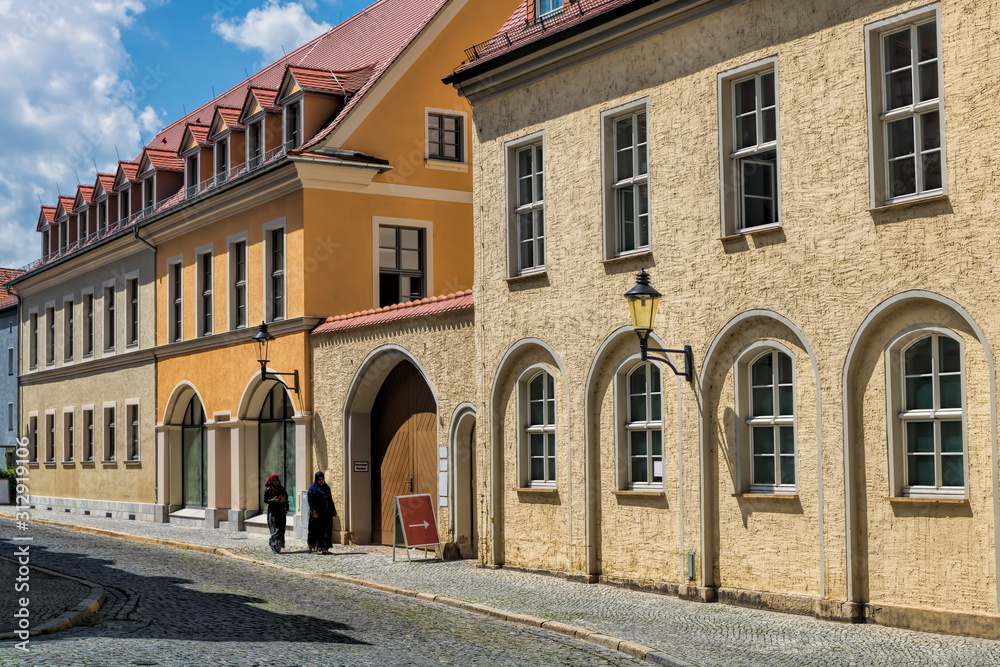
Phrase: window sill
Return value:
(915, 201)
(89, 355)
(50, 464)
(527, 277)
(631, 255)
(636, 493)
(547, 490)
(135, 344)
(766, 496)
(107, 463)
(136, 463)
(446, 165)
(752, 231)
(87, 464)
(944, 500)
(68, 464)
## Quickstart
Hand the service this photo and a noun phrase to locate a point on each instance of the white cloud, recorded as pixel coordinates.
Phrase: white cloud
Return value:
(68, 105)
(270, 27)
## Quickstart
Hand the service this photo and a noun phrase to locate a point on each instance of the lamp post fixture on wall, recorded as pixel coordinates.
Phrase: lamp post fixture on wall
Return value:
(643, 300)
(263, 340)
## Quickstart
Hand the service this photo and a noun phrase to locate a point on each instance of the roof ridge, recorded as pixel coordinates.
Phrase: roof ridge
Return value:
(402, 306)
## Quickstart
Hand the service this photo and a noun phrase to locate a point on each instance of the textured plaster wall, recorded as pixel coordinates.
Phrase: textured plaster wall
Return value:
(832, 262)
(441, 346)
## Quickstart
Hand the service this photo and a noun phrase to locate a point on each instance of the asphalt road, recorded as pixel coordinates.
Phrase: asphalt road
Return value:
(172, 607)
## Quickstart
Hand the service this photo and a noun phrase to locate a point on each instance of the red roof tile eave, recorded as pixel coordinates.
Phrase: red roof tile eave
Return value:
(435, 305)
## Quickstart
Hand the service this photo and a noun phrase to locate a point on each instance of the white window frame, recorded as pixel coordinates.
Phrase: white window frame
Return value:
(69, 433)
(535, 208)
(50, 436)
(32, 339)
(125, 202)
(133, 319)
(463, 135)
(526, 429)
(133, 430)
(746, 422)
(110, 430)
(148, 189)
(428, 229)
(221, 150)
(897, 416)
(50, 333)
(102, 215)
(175, 299)
(32, 435)
(81, 226)
(623, 427)
(192, 171)
(233, 283)
(541, 11)
(10, 416)
(271, 272)
(87, 429)
(612, 233)
(10, 361)
(879, 116)
(731, 159)
(205, 300)
(293, 138)
(109, 296)
(69, 327)
(254, 161)
(89, 336)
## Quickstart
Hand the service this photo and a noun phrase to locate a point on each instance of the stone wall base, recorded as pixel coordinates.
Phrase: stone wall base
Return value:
(927, 619)
(103, 508)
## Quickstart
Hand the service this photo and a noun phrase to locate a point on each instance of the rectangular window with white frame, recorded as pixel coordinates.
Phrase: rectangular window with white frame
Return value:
(149, 191)
(402, 262)
(102, 215)
(526, 194)
(445, 135)
(132, 417)
(221, 150)
(537, 404)
(906, 107)
(626, 175)
(69, 329)
(88, 324)
(238, 282)
(110, 319)
(274, 267)
(293, 124)
(50, 436)
(192, 175)
(69, 433)
(33, 340)
(81, 221)
(10, 416)
(110, 432)
(748, 140)
(10, 361)
(124, 203)
(175, 300)
(204, 290)
(255, 143)
(33, 437)
(87, 433)
(132, 297)
(50, 337)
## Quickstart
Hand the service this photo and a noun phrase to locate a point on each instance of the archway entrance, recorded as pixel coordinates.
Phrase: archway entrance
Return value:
(404, 445)
(276, 441)
(194, 456)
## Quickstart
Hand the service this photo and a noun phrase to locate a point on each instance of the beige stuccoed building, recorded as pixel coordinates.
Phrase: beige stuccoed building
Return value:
(810, 187)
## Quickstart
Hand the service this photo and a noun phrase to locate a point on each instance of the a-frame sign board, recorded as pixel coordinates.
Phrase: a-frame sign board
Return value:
(415, 523)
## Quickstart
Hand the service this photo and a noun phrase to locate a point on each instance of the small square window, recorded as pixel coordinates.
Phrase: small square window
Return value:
(445, 136)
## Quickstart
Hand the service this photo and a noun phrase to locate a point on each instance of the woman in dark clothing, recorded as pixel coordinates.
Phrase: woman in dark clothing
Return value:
(321, 513)
(276, 499)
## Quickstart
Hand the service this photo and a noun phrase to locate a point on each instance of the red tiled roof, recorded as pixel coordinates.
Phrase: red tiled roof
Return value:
(518, 31)
(231, 115)
(164, 160)
(66, 203)
(6, 298)
(401, 311)
(199, 132)
(87, 191)
(107, 182)
(130, 169)
(338, 83)
(49, 212)
(265, 96)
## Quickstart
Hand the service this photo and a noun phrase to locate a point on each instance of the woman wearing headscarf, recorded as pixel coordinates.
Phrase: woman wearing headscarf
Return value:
(321, 513)
(276, 499)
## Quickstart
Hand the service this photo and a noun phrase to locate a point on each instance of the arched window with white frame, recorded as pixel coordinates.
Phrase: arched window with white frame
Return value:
(927, 414)
(643, 429)
(538, 438)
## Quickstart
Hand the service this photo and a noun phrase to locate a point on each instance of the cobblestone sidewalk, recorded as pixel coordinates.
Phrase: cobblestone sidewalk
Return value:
(657, 628)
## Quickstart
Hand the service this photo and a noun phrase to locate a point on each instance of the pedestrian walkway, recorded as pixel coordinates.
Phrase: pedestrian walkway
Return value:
(657, 628)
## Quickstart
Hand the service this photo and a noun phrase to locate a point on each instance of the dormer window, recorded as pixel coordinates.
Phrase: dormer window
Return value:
(102, 216)
(45, 243)
(63, 234)
(191, 174)
(255, 144)
(149, 192)
(82, 225)
(293, 125)
(546, 7)
(124, 204)
(222, 159)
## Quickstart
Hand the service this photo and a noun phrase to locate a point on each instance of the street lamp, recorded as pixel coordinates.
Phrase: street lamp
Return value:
(643, 300)
(262, 339)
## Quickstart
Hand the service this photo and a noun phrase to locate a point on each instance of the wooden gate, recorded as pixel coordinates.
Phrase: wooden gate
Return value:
(404, 447)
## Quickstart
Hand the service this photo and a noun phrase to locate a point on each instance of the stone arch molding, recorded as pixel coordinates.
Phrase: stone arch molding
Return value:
(173, 411)
(509, 365)
(362, 391)
(850, 368)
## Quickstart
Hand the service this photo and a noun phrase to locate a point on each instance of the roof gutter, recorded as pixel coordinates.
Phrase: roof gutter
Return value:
(380, 167)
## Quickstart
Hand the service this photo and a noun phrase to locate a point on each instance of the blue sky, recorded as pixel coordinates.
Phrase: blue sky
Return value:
(83, 78)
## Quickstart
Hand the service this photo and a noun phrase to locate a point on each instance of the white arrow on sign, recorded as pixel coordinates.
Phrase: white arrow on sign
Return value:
(424, 524)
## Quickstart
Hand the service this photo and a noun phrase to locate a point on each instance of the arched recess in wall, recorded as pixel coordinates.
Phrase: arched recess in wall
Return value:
(464, 496)
(619, 352)
(727, 498)
(396, 370)
(272, 435)
(184, 442)
(869, 421)
(519, 356)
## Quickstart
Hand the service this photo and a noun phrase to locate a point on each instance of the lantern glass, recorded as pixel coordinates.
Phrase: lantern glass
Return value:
(642, 308)
(262, 339)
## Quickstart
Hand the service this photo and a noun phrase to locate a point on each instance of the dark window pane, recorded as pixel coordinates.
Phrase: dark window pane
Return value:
(761, 372)
(920, 437)
(787, 470)
(930, 124)
(950, 353)
(746, 96)
(763, 401)
(919, 358)
(767, 98)
(928, 81)
(951, 391)
(786, 401)
(901, 138)
(763, 470)
(932, 171)
(746, 131)
(763, 440)
(952, 471)
(927, 41)
(897, 50)
(921, 470)
(786, 434)
(951, 436)
(919, 393)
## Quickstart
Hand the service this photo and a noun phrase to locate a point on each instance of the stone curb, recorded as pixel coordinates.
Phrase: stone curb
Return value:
(625, 646)
(73, 617)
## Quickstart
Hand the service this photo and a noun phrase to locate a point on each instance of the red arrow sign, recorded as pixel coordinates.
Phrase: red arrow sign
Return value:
(419, 522)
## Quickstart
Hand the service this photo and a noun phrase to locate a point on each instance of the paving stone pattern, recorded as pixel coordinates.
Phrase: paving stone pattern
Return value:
(686, 632)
